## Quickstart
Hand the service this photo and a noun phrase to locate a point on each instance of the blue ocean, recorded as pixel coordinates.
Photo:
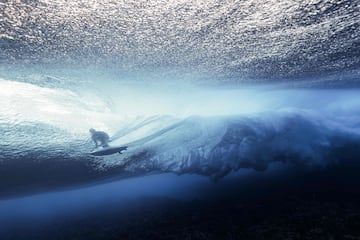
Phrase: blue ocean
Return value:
(241, 119)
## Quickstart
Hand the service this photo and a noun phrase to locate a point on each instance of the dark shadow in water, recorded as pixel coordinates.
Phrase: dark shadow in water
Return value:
(282, 203)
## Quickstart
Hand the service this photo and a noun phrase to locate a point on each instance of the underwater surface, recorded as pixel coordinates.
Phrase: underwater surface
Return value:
(241, 118)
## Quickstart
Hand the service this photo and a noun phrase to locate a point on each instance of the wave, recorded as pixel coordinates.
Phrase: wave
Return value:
(45, 139)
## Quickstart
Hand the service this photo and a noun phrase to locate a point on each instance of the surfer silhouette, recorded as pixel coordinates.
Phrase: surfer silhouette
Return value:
(100, 138)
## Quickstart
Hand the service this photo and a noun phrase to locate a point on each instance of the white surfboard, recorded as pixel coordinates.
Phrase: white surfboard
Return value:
(108, 151)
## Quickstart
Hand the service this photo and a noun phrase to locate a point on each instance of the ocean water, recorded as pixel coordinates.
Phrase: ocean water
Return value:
(242, 119)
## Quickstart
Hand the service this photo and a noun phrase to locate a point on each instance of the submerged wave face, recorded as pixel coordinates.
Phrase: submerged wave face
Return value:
(235, 41)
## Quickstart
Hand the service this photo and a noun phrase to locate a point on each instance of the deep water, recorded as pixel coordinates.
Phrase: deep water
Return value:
(283, 202)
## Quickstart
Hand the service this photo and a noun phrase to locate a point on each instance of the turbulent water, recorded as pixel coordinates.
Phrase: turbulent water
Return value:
(209, 88)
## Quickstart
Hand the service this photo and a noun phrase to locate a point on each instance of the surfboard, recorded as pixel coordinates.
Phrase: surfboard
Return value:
(108, 151)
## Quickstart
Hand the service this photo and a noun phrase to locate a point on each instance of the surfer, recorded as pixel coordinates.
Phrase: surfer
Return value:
(99, 137)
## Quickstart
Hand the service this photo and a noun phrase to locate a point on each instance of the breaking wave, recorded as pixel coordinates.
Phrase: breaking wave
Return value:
(46, 131)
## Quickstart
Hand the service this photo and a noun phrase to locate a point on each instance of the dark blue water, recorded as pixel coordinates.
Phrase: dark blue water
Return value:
(242, 119)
